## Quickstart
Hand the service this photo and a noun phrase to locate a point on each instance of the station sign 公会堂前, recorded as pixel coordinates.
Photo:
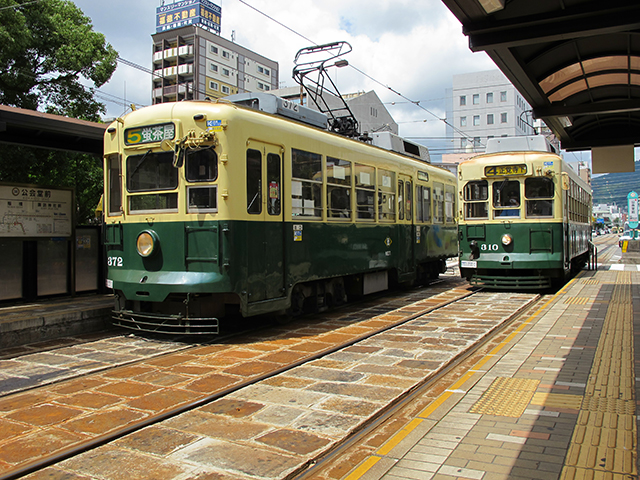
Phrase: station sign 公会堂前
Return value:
(188, 12)
(30, 211)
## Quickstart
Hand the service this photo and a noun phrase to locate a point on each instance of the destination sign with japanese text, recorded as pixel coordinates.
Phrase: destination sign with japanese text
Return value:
(504, 170)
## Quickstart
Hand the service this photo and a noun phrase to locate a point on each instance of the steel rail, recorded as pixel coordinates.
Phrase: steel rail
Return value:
(123, 431)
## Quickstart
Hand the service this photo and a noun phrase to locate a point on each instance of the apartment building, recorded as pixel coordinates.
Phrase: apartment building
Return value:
(192, 62)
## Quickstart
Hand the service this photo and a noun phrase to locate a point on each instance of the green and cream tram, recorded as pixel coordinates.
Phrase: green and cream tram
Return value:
(524, 219)
(215, 207)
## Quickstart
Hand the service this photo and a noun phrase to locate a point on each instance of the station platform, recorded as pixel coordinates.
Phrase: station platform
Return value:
(555, 399)
(25, 327)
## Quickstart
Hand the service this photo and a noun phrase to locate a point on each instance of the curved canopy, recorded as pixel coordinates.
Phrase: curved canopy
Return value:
(577, 62)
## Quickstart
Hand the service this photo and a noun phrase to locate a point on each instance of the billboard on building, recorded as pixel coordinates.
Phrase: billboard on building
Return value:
(188, 12)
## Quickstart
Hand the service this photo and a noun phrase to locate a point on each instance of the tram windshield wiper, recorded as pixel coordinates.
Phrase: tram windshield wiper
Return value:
(144, 157)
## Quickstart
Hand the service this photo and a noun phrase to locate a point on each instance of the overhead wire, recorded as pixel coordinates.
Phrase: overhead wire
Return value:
(417, 103)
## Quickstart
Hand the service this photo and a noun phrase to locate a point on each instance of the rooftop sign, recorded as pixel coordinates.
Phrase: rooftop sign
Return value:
(188, 12)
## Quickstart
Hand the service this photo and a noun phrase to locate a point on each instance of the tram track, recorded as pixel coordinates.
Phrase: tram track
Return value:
(153, 419)
(439, 382)
(311, 331)
(154, 346)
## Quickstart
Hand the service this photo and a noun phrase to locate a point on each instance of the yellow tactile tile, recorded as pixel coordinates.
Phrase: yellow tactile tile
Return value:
(603, 444)
(576, 301)
(506, 397)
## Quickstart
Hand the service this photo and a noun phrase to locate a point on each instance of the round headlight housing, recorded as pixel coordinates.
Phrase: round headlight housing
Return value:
(147, 243)
(506, 239)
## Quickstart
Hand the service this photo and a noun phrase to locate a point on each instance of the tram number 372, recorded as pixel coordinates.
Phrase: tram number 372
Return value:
(114, 261)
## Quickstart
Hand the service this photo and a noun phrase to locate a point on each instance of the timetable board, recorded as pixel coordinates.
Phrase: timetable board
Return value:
(30, 211)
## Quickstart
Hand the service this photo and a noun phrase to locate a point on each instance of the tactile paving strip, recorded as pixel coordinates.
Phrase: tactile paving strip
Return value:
(506, 397)
(576, 301)
(603, 444)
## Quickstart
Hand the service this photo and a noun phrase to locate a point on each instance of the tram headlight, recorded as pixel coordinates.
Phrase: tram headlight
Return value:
(506, 239)
(147, 243)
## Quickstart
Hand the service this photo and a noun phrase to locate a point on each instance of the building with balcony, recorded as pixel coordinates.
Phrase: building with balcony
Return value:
(193, 63)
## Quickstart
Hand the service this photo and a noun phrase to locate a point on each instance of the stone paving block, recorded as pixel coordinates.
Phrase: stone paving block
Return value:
(348, 406)
(327, 374)
(212, 383)
(103, 421)
(127, 389)
(366, 392)
(35, 445)
(12, 429)
(92, 400)
(279, 415)
(120, 464)
(156, 440)
(44, 414)
(294, 441)
(233, 458)
(216, 426)
(162, 400)
(232, 407)
(327, 424)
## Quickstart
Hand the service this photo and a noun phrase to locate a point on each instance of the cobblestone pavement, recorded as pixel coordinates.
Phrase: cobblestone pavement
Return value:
(265, 430)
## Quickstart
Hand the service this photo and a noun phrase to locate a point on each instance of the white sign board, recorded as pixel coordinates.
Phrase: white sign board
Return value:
(35, 212)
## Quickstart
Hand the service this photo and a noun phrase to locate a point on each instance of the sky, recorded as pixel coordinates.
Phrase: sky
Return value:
(405, 46)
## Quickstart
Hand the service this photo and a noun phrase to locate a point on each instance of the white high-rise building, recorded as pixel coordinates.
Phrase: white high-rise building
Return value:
(483, 105)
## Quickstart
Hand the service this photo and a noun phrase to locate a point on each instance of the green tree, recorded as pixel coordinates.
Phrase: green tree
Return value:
(47, 48)
(48, 52)
(52, 168)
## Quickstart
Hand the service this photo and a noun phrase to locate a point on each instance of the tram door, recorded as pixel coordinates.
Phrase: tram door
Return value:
(405, 224)
(265, 254)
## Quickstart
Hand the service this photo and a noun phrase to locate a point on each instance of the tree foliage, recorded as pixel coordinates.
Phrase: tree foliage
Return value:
(53, 168)
(48, 53)
(47, 48)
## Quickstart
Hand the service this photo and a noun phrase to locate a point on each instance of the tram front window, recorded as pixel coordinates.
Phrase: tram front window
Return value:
(476, 195)
(539, 193)
(151, 172)
(506, 198)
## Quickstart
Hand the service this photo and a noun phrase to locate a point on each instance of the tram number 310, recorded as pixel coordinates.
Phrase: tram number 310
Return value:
(491, 247)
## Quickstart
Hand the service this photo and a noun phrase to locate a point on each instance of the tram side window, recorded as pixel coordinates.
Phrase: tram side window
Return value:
(254, 182)
(365, 192)
(400, 200)
(539, 192)
(438, 203)
(408, 199)
(386, 195)
(273, 184)
(476, 196)
(449, 199)
(506, 198)
(338, 188)
(115, 185)
(306, 183)
(423, 204)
